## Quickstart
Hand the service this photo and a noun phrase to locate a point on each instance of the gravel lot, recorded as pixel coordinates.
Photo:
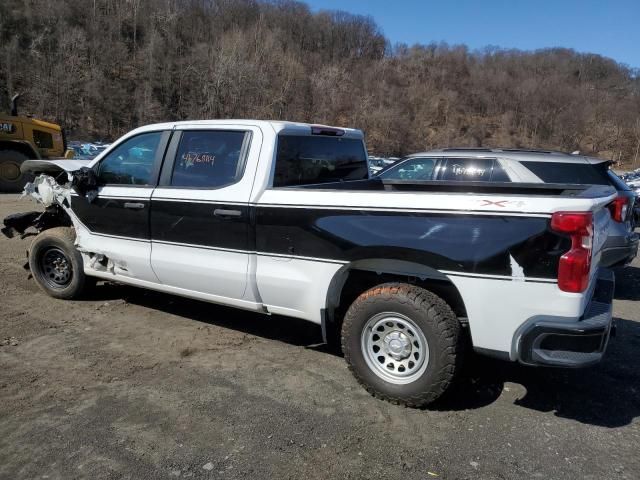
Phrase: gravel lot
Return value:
(141, 385)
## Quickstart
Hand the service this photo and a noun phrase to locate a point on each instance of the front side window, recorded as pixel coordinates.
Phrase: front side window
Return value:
(466, 169)
(307, 160)
(411, 169)
(131, 162)
(208, 159)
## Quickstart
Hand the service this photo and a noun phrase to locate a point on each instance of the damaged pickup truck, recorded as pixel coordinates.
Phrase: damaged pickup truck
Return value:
(282, 218)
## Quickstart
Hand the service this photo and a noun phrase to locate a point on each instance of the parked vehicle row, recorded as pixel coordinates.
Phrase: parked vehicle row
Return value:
(377, 164)
(284, 218)
(632, 179)
(87, 151)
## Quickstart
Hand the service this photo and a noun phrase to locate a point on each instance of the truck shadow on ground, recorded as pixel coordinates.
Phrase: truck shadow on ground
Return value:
(605, 395)
(274, 327)
(627, 283)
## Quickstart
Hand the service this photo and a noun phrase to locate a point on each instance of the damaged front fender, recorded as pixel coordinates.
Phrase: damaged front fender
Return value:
(53, 167)
(55, 197)
(19, 223)
(47, 191)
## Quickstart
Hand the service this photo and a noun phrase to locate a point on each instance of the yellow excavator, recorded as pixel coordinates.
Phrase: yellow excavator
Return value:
(25, 138)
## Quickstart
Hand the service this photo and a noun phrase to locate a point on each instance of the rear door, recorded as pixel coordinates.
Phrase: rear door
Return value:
(200, 210)
(117, 220)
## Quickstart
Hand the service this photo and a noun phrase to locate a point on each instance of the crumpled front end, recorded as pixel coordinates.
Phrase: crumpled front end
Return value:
(54, 193)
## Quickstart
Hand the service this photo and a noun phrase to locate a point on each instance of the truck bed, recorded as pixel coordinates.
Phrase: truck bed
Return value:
(436, 186)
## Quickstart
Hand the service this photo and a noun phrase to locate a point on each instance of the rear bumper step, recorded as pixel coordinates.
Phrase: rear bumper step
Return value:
(572, 344)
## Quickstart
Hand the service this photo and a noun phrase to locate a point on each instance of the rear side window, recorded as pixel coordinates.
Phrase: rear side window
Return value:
(571, 173)
(499, 174)
(466, 169)
(307, 160)
(411, 169)
(208, 159)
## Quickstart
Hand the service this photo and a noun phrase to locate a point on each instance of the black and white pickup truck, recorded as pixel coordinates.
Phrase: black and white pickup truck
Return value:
(282, 218)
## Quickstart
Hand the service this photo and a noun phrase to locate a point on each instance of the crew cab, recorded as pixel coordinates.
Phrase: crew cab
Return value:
(283, 218)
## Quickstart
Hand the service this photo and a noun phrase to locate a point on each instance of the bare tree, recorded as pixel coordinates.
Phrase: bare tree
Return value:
(105, 66)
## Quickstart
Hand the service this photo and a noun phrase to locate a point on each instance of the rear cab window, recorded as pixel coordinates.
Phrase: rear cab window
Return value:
(315, 159)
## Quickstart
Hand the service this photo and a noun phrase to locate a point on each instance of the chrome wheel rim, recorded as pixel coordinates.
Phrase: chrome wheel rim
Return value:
(395, 348)
(55, 267)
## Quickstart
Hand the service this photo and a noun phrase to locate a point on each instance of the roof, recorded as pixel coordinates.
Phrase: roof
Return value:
(276, 125)
(519, 154)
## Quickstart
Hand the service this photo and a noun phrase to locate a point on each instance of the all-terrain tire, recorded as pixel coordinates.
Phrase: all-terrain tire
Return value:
(11, 180)
(57, 265)
(414, 308)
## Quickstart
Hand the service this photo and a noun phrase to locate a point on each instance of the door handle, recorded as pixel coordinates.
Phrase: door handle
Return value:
(133, 205)
(222, 212)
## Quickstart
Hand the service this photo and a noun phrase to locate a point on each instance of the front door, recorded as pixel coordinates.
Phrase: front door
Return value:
(116, 222)
(200, 210)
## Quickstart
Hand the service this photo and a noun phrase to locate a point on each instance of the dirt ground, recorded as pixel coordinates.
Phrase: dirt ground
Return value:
(140, 385)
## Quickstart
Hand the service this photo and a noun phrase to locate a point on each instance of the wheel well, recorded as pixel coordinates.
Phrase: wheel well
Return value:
(22, 147)
(20, 223)
(350, 283)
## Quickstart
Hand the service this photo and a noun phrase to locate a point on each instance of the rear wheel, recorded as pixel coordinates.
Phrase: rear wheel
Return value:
(56, 264)
(402, 343)
(11, 179)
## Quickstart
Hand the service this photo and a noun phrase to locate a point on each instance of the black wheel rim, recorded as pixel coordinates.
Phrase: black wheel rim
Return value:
(55, 267)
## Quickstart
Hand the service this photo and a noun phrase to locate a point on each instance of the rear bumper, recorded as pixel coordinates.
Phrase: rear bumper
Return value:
(572, 344)
(619, 255)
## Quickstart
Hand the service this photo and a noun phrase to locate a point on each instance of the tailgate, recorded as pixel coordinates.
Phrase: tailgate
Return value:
(584, 220)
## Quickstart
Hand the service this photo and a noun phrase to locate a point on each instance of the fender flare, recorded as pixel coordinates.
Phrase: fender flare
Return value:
(376, 265)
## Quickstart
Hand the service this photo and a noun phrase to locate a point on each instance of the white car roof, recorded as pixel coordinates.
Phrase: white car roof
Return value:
(523, 155)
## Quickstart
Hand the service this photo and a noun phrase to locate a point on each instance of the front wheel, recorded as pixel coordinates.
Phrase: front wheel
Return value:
(56, 264)
(402, 343)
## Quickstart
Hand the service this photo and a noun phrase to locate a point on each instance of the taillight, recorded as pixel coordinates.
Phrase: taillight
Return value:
(575, 265)
(619, 208)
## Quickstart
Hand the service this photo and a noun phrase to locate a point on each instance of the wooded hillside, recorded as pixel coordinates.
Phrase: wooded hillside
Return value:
(102, 67)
